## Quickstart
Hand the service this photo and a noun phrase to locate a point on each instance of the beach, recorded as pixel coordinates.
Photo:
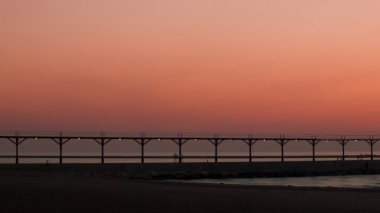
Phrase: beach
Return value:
(57, 192)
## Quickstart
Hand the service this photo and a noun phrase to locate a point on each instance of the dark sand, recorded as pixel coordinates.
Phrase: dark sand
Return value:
(50, 192)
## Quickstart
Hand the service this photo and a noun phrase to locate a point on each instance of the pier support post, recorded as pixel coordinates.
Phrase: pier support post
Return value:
(142, 141)
(216, 141)
(371, 142)
(282, 142)
(250, 142)
(313, 142)
(102, 141)
(343, 142)
(102, 145)
(142, 151)
(60, 150)
(17, 140)
(180, 142)
(17, 144)
(60, 141)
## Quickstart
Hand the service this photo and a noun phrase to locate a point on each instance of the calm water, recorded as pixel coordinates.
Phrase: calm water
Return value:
(170, 160)
(349, 181)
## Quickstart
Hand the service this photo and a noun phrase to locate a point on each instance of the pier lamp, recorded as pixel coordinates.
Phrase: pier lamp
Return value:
(119, 139)
(195, 139)
(36, 138)
(264, 139)
(159, 139)
(356, 140)
(79, 139)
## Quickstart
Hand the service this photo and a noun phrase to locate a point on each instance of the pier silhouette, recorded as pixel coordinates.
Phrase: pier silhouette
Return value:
(180, 139)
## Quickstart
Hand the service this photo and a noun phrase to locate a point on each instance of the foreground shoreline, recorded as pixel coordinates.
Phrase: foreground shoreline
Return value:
(56, 192)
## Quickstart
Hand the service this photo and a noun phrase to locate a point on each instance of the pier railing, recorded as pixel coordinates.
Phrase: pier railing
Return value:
(180, 139)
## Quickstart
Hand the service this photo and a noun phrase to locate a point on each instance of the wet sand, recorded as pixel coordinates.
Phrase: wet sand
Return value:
(53, 192)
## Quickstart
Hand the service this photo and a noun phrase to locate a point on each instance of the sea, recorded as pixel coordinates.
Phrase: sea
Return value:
(347, 181)
(172, 157)
(343, 181)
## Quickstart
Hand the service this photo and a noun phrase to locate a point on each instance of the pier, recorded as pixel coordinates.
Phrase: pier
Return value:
(180, 139)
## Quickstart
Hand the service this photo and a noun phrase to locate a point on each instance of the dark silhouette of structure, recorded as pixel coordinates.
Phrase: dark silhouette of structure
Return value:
(180, 139)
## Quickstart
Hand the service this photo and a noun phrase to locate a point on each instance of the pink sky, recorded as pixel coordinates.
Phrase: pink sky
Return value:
(295, 66)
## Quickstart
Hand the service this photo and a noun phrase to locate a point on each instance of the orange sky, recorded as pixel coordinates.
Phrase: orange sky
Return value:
(295, 66)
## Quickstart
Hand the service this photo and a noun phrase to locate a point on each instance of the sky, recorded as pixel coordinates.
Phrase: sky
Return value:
(235, 66)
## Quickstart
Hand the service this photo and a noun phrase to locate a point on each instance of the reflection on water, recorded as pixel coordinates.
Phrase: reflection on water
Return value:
(348, 181)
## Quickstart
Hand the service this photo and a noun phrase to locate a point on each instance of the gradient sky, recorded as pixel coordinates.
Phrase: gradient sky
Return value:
(261, 66)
